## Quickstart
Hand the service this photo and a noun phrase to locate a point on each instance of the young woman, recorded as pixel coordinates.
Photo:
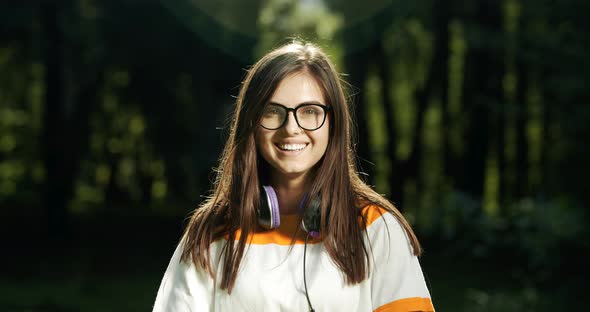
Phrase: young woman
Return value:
(290, 226)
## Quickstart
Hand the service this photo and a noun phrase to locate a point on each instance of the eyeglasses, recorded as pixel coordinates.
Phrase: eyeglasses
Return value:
(308, 116)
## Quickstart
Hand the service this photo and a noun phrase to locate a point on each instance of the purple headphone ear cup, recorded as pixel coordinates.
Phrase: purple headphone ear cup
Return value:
(268, 212)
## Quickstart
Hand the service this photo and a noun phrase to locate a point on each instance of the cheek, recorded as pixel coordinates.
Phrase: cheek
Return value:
(259, 138)
(322, 140)
(263, 144)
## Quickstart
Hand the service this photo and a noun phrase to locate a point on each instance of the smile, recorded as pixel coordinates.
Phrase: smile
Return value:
(291, 147)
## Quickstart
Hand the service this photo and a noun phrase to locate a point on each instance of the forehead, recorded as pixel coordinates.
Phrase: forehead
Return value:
(298, 88)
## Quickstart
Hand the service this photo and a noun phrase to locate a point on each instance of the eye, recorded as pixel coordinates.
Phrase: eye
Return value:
(311, 111)
(271, 111)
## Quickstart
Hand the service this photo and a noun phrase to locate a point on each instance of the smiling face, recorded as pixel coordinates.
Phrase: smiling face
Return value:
(290, 150)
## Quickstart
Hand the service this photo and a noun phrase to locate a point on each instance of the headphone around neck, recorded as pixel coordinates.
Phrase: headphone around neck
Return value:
(269, 214)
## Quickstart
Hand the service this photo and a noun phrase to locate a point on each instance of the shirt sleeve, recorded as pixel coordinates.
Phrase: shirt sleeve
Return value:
(184, 288)
(397, 282)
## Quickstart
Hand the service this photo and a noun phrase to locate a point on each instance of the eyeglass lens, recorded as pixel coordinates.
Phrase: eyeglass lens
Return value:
(307, 116)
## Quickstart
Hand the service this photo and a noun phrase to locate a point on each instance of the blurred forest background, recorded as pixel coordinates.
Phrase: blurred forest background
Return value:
(473, 118)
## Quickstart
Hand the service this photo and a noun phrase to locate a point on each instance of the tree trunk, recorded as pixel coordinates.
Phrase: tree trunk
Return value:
(54, 132)
(396, 180)
(66, 126)
(357, 66)
(437, 83)
(482, 89)
(522, 146)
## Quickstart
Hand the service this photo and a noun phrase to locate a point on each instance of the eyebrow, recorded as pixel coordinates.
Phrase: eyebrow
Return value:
(299, 104)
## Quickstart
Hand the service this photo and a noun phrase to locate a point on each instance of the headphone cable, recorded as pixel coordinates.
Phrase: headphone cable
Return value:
(304, 275)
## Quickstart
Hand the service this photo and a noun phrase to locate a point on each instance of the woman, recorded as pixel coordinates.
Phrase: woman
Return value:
(290, 226)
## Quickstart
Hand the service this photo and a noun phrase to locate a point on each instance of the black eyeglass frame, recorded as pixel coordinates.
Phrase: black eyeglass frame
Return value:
(326, 109)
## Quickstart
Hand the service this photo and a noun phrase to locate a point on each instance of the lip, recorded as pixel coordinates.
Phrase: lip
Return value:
(291, 142)
(290, 153)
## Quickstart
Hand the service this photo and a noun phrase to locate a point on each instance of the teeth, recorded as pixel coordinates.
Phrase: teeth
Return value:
(292, 147)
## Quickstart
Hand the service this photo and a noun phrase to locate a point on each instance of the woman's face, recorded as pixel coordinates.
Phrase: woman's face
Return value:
(290, 150)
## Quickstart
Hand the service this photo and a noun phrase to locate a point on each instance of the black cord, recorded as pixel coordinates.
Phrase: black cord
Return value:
(304, 279)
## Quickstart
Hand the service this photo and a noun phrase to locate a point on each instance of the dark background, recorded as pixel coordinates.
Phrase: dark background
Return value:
(473, 118)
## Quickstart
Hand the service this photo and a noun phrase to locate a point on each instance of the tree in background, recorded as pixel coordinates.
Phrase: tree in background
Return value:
(452, 100)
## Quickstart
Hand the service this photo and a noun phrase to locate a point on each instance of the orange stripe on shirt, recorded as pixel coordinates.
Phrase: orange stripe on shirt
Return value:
(373, 212)
(283, 235)
(415, 304)
(289, 224)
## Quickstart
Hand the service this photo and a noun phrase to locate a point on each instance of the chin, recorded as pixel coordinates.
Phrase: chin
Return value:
(293, 171)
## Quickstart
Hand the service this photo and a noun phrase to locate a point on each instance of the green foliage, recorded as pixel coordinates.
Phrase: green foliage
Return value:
(531, 237)
(122, 159)
(409, 47)
(308, 20)
(225, 25)
(526, 299)
(21, 88)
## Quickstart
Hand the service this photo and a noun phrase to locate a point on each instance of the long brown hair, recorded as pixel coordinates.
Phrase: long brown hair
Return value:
(235, 194)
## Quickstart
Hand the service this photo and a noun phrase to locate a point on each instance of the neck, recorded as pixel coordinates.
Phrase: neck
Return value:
(290, 191)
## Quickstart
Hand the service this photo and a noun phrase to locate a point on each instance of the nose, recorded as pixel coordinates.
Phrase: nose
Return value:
(291, 125)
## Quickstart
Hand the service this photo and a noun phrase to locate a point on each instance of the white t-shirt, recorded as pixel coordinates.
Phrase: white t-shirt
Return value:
(271, 275)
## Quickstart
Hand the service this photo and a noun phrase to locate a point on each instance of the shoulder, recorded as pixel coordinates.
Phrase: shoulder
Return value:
(383, 228)
(373, 212)
(376, 216)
